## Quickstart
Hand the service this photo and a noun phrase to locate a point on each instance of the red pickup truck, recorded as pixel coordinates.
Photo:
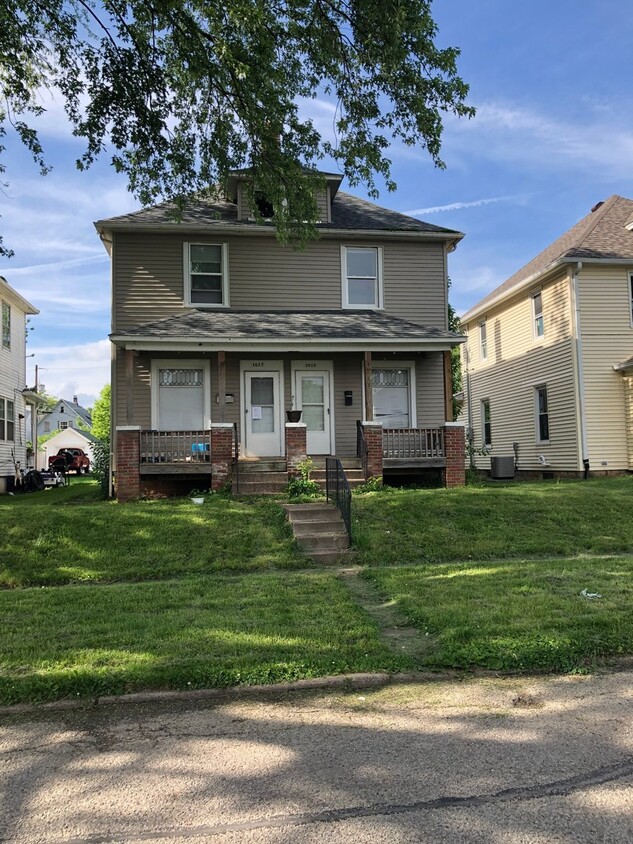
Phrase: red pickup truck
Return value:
(70, 460)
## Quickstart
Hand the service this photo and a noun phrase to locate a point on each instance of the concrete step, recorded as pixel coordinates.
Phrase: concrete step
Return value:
(310, 512)
(352, 474)
(312, 527)
(263, 477)
(323, 542)
(346, 462)
(263, 464)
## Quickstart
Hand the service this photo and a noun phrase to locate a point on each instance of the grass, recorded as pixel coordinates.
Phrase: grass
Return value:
(68, 535)
(168, 594)
(516, 615)
(494, 521)
(190, 633)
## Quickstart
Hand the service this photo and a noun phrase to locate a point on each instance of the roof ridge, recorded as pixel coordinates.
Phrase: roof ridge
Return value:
(599, 213)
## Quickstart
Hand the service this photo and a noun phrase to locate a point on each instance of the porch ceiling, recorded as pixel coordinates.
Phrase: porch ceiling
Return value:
(285, 330)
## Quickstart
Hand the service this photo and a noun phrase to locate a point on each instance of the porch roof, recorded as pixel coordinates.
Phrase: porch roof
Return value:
(292, 329)
(625, 365)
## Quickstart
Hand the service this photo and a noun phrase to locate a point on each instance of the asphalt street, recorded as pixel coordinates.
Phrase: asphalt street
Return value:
(480, 760)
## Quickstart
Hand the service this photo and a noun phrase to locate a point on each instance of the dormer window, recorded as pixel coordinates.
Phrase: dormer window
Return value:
(362, 277)
(264, 206)
(206, 275)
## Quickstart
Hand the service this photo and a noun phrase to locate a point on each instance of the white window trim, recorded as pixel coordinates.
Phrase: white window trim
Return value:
(379, 268)
(187, 276)
(630, 292)
(539, 441)
(538, 338)
(483, 352)
(180, 363)
(397, 364)
(485, 402)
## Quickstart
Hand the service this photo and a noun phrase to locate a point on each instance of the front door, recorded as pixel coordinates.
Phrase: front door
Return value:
(262, 414)
(313, 399)
(181, 395)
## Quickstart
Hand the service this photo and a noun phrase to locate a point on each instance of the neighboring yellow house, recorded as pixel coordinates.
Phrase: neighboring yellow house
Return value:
(548, 364)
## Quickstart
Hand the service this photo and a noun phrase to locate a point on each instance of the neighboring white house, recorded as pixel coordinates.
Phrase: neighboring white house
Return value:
(66, 438)
(13, 392)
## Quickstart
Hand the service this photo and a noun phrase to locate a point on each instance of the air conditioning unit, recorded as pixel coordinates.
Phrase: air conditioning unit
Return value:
(502, 468)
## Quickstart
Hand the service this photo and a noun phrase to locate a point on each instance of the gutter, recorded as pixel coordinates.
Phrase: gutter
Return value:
(580, 368)
(190, 344)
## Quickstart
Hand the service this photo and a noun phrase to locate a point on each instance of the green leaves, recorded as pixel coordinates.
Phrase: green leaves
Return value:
(180, 92)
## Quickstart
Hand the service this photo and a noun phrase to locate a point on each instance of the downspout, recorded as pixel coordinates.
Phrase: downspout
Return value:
(580, 369)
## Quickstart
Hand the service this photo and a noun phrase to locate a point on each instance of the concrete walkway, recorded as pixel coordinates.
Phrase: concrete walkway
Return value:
(488, 760)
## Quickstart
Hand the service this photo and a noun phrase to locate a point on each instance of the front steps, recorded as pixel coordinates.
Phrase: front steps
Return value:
(319, 531)
(269, 475)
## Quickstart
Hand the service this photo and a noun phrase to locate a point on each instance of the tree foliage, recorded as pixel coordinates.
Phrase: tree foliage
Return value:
(101, 415)
(456, 356)
(180, 92)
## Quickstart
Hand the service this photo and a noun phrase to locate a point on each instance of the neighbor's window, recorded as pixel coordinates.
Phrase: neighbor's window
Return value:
(537, 314)
(483, 339)
(486, 428)
(6, 325)
(542, 415)
(631, 296)
(206, 275)
(362, 277)
(7, 420)
(63, 426)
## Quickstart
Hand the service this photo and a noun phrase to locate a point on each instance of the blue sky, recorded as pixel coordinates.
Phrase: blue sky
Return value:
(553, 136)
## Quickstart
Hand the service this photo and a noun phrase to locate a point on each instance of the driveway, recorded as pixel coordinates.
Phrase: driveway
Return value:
(487, 760)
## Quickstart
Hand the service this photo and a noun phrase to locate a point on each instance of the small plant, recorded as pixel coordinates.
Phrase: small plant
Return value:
(372, 484)
(303, 485)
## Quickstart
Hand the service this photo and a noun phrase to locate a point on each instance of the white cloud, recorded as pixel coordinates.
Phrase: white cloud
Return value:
(80, 370)
(457, 206)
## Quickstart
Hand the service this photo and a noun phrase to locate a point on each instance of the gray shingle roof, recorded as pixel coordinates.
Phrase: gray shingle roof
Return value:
(348, 212)
(625, 365)
(601, 234)
(284, 325)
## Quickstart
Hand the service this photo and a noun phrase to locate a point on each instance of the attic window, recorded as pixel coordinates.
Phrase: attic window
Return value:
(264, 206)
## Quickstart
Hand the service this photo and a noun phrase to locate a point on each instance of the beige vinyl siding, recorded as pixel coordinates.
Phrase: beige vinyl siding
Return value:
(263, 274)
(607, 339)
(510, 387)
(510, 331)
(322, 206)
(243, 203)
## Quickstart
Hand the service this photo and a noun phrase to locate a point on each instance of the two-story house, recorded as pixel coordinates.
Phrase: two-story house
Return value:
(62, 415)
(218, 330)
(13, 393)
(548, 372)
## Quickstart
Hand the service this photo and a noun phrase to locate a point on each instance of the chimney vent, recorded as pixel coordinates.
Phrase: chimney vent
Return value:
(597, 205)
(75, 400)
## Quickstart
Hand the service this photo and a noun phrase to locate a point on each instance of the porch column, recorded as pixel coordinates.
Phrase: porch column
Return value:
(128, 456)
(222, 386)
(448, 387)
(296, 450)
(455, 453)
(373, 438)
(221, 454)
(369, 397)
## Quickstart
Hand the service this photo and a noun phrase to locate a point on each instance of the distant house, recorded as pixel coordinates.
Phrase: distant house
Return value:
(548, 366)
(14, 395)
(66, 438)
(65, 414)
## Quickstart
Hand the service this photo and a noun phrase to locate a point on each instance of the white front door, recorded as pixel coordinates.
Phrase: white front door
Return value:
(180, 395)
(262, 414)
(312, 397)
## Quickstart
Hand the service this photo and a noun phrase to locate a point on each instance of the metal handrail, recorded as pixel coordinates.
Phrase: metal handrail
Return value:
(337, 490)
(362, 449)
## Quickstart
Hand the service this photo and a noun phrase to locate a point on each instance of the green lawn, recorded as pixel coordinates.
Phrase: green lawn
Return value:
(494, 521)
(516, 614)
(490, 575)
(183, 634)
(68, 535)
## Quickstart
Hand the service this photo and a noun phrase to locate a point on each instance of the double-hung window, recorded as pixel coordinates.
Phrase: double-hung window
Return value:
(483, 340)
(537, 315)
(362, 277)
(7, 420)
(6, 325)
(631, 297)
(206, 275)
(542, 415)
(486, 427)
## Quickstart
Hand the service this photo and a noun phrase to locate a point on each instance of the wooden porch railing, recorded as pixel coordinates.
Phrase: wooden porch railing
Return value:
(412, 443)
(175, 447)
